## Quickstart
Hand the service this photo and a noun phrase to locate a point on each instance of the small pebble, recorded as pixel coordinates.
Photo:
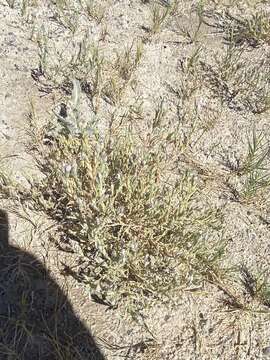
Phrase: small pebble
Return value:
(167, 317)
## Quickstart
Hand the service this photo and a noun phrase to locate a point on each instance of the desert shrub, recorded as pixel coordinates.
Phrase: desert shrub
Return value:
(139, 234)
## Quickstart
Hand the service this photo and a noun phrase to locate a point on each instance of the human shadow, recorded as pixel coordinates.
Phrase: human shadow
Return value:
(37, 321)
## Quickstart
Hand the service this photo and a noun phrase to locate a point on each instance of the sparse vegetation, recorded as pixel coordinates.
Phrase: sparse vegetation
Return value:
(254, 169)
(252, 29)
(94, 10)
(153, 163)
(160, 14)
(11, 3)
(252, 291)
(239, 83)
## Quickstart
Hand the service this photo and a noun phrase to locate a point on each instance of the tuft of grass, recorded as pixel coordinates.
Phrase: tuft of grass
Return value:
(191, 32)
(139, 233)
(78, 59)
(122, 71)
(256, 287)
(255, 183)
(94, 10)
(112, 90)
(256, 157)
(246, 291)
(11, 3)
(238, 82)
(67, 14)
(126, 63)
(252, 30)
(159, 16)
(99, 77)
(255, 167)
(190, 81)
(252, 170)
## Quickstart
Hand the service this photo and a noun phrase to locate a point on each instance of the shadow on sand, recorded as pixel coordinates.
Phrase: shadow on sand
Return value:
(37, 321)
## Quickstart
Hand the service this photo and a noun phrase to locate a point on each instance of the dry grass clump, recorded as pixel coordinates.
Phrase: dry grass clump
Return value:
(256, 167)
(250, 292)
(139, 234)
(256, 286)
(253, 170)
(238, 82)
(159, 16)
(120, 75)
(94, 10)
(253, 30)
(82, 59)
(79, 59)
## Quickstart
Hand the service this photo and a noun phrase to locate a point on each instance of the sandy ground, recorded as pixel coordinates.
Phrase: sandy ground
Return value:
(199, 328)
